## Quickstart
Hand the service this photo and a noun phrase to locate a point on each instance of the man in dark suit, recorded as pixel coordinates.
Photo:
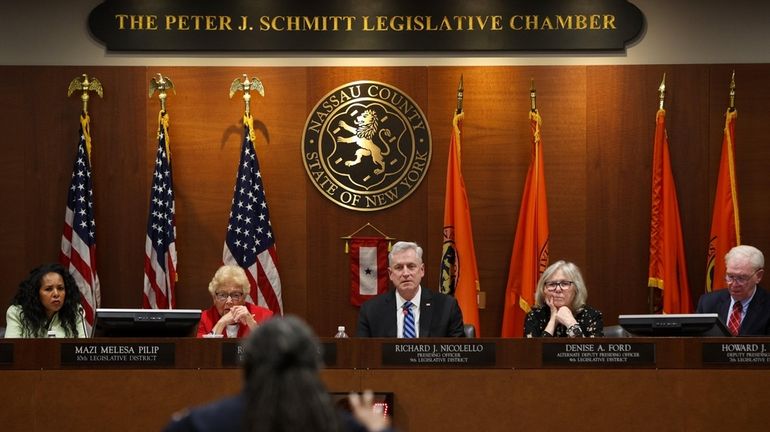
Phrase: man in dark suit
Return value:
(744, 306)
(409, 310)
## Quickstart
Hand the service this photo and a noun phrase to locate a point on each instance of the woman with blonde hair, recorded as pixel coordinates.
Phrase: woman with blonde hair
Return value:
(231, 316)
(561, 308)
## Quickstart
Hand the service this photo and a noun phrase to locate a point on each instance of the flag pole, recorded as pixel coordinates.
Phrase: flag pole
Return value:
(532, 96)
(161, 84)
(460, 96)
(85, 85)
(79, 222)
(662, 91)
(732, 92)
(656, 295)
(259, 259)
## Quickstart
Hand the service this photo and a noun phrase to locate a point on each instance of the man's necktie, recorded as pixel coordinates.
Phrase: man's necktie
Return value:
(734, 323)
(408, 321)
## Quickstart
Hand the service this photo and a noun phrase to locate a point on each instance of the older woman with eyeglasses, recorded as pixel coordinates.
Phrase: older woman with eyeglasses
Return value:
(561, 308)
(230, 316)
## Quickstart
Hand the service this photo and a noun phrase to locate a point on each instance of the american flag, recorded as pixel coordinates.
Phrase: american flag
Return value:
(160, 244)
(250, 243)
(78, 241)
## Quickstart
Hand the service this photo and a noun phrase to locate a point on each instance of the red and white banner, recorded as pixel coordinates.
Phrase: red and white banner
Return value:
(368, 268)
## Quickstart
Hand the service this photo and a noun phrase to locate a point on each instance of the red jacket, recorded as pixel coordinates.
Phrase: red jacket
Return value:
(211, 316)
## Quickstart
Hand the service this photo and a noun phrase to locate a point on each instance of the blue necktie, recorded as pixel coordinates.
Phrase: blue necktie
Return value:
(408, 321)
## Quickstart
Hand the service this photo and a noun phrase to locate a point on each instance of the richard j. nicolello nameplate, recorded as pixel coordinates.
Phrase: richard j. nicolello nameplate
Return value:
(118, 354)
(735, 354)
(439, 354)
(598, 354)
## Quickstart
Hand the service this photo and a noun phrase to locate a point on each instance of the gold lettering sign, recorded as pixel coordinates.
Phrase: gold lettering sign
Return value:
(355, 25)
(366, 146)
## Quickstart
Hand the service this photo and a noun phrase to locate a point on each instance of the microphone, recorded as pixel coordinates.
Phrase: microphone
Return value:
(82, 313)
(50, 333)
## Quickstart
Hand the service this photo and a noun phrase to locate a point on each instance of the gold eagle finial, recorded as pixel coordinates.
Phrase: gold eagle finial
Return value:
(161, 84)
(85, 85)
(246, 85)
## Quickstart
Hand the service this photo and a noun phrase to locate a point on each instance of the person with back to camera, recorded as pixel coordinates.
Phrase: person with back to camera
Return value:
(744, 306)
(283, 391)
(47, 302)
(409, 310)
(231, 316)
(561, 308)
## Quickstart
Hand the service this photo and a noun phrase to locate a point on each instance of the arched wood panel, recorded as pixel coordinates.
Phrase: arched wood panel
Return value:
(598, 123)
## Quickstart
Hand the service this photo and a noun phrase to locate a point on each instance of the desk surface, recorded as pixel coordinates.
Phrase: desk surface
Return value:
(517, 392)
(355, 353)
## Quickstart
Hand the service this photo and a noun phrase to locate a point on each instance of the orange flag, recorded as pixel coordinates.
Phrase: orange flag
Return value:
(530, 247)
(459, 274)
(725, 223)
(668, 270)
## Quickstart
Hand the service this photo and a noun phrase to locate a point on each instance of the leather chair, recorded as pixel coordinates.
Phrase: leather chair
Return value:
(469, 330)
(615, 331)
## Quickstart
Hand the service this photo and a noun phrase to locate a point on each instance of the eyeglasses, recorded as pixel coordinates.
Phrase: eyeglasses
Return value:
(552, 285)
(236, 296)
(740, 279)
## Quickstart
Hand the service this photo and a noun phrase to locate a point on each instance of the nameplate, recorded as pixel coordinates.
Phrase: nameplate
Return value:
(117, 354)
(6, 354)
(329, 354)
(735, 354)
(439, 354)
(598, 354)
(232, 354)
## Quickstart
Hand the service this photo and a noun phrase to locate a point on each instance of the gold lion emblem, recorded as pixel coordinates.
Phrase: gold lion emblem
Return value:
(367, 127)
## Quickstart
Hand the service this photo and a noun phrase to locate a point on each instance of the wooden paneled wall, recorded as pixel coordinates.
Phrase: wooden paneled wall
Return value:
(598, 123)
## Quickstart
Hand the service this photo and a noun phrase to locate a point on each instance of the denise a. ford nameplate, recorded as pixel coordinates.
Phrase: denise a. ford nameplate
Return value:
(594, 354)
(366, 146)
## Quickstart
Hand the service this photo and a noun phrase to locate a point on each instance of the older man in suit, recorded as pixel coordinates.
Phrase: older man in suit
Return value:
(744, 306)
(409, 310)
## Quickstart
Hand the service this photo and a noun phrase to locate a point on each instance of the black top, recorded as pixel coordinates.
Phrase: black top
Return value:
(589, 319)
(227, 415)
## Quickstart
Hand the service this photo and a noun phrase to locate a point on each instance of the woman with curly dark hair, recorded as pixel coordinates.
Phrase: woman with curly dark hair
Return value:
(47, 303)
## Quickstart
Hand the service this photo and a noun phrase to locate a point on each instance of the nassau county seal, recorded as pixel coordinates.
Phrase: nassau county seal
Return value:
(366, 146)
